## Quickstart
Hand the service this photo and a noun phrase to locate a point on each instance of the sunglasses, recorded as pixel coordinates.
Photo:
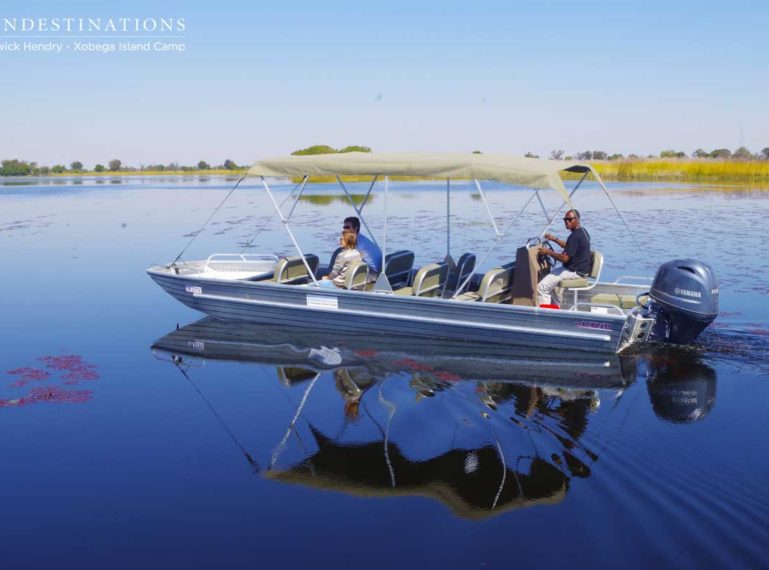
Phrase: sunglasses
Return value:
(569, 219)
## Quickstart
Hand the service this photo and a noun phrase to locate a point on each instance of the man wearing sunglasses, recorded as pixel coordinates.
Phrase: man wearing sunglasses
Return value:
(369, 251)
(575, 257)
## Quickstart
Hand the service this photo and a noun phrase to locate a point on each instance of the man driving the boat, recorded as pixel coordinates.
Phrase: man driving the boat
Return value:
(370, 251)
(575, 257)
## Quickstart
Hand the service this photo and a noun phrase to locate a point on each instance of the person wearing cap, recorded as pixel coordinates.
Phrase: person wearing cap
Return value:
(575, 257)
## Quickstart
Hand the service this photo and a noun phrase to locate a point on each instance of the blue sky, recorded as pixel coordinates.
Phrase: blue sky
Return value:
(264, 78)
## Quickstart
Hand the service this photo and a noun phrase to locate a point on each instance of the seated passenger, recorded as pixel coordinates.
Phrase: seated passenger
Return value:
(369, 251)
(349, 254)
(575, 257)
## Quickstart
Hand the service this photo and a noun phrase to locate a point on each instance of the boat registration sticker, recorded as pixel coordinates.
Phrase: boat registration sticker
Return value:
(322, 302)
(194, 290)
(601, 310)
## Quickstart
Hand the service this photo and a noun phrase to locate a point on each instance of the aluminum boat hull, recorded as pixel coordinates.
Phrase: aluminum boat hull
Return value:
(356, 312)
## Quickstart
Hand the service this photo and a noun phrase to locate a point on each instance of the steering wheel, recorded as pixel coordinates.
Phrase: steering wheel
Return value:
(546, 258)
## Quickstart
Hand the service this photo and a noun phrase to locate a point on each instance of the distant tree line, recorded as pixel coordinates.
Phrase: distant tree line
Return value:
(742, 153)
(325, 149)
(17, 167)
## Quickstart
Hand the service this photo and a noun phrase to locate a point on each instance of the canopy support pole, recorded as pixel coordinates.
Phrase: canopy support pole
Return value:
(542, 205)
(558, 211)
(488, 209)
(384, 235)
(370, 188)
(449, 259)
(197, 233)
(296, 200)
(359, 211)
(619, 213)
(382, 284)
(495, 244)
(259, 230)
(290, 233)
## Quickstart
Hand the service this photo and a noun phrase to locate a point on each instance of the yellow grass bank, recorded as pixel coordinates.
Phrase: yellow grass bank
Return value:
(682, 170)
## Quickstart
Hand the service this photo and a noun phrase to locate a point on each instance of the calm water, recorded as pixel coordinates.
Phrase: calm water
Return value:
(135, 432)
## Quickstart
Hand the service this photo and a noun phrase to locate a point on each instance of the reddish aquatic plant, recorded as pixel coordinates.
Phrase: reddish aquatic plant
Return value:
(49, 394)
(27, 375)
(71, 368)
(74, 366)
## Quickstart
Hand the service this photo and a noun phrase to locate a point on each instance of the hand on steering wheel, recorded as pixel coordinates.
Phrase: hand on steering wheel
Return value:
(546, 258)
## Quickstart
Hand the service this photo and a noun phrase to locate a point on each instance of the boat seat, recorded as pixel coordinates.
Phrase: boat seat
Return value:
(588, 282)
(464, 269)
(292, 271)
(397, 267)
(496, 286)
(621, 301)
(357, 276)
(429, 281)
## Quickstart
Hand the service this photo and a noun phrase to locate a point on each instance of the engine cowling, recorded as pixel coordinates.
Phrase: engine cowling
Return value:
(684, 299)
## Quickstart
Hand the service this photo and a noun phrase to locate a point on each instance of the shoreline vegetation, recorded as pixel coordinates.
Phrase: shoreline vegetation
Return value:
(720, 165)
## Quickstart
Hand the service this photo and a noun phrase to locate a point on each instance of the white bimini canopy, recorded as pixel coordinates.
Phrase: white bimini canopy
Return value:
(531, 172)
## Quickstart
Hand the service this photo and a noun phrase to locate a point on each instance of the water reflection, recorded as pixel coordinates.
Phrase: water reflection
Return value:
(431, 418)
(682, 389)
(327, 199)
(749, 190)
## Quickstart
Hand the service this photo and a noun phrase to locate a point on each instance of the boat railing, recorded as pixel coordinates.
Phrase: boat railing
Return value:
(620, 280)
(242, 257)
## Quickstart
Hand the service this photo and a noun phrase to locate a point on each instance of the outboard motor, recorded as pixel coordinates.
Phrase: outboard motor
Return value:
(684, 300)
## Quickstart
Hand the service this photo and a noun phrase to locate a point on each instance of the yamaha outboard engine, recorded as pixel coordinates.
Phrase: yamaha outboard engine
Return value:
(684, 300)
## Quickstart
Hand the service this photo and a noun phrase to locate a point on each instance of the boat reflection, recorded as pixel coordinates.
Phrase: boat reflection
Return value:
(428, 418)
(387, 354)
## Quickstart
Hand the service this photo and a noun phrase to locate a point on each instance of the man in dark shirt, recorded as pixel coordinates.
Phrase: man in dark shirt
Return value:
(576, 259)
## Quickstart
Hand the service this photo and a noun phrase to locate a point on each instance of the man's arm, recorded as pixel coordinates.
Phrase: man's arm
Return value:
(551, 237)
(562, 257)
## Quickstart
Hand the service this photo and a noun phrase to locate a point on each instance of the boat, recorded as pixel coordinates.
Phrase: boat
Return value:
(448, 299)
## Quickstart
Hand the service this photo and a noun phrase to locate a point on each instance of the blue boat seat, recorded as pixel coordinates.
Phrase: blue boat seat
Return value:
(464, 269)
(398, 266)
